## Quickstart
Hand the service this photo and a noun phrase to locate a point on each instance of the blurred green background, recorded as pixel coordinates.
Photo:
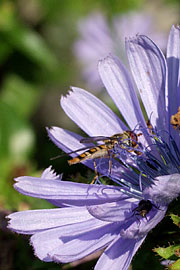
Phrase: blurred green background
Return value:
(37, 66)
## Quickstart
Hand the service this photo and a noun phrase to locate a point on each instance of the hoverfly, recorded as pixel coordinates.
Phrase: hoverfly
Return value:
(126, 140)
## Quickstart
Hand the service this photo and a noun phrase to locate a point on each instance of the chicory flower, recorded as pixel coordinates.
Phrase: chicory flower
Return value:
(97, 38)
(146, 179)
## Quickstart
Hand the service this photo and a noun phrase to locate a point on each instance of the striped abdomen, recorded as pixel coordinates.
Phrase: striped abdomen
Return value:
(96, 152)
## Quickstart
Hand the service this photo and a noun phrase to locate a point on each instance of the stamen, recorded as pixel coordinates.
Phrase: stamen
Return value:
(140, 165)
(169, 160)
(175, 148)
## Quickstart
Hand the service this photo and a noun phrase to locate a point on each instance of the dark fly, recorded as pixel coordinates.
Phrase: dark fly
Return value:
(143, 208)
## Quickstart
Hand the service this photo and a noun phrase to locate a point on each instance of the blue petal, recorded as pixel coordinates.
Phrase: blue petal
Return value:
(165, 189)
(33, 221)
(65, 139)
(91, 114)
(120, 87)
(113, 212)
(148, 66)
(119, 254)
(71, 193)
(141, 225)
(50, 174)
(173, 62)
(70, 248)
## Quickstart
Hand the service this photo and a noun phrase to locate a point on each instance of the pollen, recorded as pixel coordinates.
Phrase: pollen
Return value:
(175, 119)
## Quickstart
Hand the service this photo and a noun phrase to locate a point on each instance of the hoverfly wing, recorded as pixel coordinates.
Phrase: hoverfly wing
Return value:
(94, 139)
(72, 152)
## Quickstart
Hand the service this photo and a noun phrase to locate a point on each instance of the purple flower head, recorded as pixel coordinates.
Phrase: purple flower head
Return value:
(145, 171)
(98, 39)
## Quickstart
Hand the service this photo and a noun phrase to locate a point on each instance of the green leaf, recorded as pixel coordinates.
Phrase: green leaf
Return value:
(24, 38)
(167, 252)
(175, 265)
(175, 219)
(20, 95)
(16, 135)
(5, 51)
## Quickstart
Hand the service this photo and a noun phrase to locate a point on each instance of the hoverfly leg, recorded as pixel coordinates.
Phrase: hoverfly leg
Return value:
(110, 156)
(110, 166)
(94, 179)
(110, 162)
(96, 173)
